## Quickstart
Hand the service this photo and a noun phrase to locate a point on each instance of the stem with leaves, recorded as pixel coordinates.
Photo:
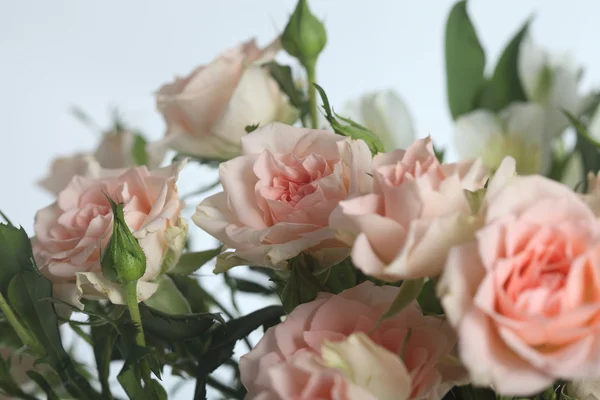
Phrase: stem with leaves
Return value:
(21, 331)
(136, 318)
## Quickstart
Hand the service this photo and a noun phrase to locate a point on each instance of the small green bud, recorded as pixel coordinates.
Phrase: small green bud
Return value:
(304, 37)
(123, 260)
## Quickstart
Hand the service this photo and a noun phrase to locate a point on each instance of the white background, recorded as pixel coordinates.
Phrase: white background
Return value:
(102, 54)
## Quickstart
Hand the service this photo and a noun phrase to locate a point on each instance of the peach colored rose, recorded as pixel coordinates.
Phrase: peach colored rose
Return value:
(278, 366)
(207, 112)
(278, 196)
(417, 211)
(115, 150)
(70, 234)
(524, 294)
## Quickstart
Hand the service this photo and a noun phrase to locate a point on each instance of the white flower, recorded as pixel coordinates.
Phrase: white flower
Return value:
(385, 114)
(584, 390)
(516, 131)
(552, 82)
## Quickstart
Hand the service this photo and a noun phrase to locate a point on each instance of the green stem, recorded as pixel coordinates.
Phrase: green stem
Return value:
(224, 389)
(228, 314)
(136, 318)
(310, 67)
(25, 337)
(134, 311)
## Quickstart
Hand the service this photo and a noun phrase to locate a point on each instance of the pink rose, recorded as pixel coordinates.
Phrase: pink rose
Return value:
(524, 293)
(278, 196)
(71, 234)
(417, 211)
(207, 112)
(279, 365)
(115, 150)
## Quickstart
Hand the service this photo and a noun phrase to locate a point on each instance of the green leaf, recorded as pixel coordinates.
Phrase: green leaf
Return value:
(190, 262)
(5, 218)
(302, 286)
(251, 128)
(168, 298)
(224, 338)
(25, 287)
(244, 285)
(130, 380)
(8, 337)
(465, 61)
(473, 393)
(15, 253)
(439, 153)
(236, 329)
(104, 339)
(587, 147)
(282, 74)
(138, 150)
(408, 292)
(43, 384)
(155, 391)
(353, 129)
(505, 86)
(130, 376)
(193, 292)
(84, 118)
(428, 300)
(340, 277)
(177, 327)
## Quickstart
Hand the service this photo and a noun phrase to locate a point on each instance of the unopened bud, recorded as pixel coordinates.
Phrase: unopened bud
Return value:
(304, 36)
(123, 260)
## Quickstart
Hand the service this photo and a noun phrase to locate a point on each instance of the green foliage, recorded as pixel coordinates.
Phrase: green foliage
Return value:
(222, 339)
(5, 218)
(15, 253)
(251, 128)
(138, 150)
(352, 129)
(248, 286)
(177, 327)
(307, 278)
(123, 260)
(505, 86)
(587, 147)
(193, 292)
(104, 338)
(409, 291)
(439, 153)
(136, 359)
(41, 381)
(428, 300)
(467, 86)
(189, 262)
(283, 76)
(465, 61)
(302, 285)
(168, 298)
(339, 277)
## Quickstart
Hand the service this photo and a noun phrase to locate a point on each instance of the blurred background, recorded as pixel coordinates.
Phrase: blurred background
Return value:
(110, 54)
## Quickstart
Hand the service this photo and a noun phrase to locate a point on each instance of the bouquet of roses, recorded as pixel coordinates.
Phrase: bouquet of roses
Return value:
(395, 275)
